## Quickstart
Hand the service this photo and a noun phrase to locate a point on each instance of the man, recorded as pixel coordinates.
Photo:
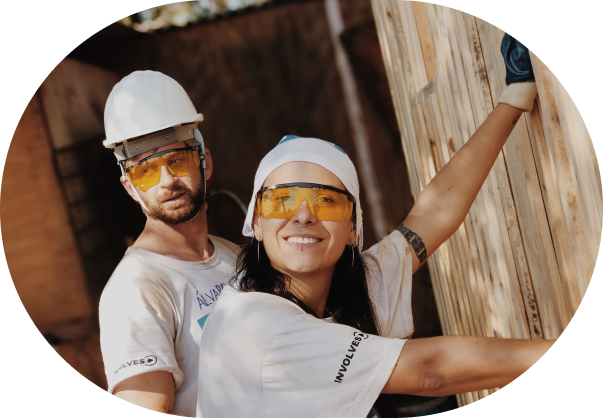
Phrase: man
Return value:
(153, 309)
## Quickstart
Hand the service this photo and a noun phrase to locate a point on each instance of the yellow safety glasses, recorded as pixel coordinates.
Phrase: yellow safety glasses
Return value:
(146, 173)
(326, 203)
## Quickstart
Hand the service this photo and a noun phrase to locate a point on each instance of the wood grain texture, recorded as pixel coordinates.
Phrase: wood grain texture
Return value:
(519, 265)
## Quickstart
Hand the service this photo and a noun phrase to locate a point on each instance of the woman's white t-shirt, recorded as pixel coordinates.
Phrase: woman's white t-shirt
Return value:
(263, 356)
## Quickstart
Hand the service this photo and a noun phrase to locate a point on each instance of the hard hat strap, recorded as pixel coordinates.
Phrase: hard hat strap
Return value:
(123, 173)
(199, 139)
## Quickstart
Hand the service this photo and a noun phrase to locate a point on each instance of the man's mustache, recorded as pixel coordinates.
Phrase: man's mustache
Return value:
(176, 191)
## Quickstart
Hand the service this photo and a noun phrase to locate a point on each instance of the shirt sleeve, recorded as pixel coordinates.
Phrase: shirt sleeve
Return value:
(137, 328)
(317, 369)
(389, 272)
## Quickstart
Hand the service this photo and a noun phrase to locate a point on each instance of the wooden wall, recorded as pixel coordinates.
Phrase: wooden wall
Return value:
(521, 262)
(41, 249)
(104, 218)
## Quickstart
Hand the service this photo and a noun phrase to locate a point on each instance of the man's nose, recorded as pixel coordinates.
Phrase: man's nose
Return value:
(167, 177)
(304, 215)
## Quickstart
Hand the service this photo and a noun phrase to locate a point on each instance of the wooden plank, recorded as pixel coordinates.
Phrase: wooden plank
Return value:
(393, 64)
(567, 229)
(423, 30)
(409, 39)
(551, 320)
(581, 166)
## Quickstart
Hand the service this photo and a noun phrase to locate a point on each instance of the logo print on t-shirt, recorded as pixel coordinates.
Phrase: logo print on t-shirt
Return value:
(358, 337)
(210, 296)
(149, 360)
(201, 321)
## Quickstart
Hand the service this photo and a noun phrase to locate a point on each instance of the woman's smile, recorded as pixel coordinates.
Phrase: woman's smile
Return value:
(302, 241)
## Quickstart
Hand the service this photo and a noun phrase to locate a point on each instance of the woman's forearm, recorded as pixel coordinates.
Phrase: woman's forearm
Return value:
(448, 365)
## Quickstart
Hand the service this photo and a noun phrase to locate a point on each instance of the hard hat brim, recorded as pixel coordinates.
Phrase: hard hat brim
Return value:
(108, 144)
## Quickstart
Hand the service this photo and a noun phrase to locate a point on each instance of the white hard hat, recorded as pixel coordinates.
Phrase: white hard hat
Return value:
(145, 102)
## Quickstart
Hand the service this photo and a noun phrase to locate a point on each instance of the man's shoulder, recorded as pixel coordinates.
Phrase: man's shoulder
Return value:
(138, 262)
(230, 250)
(135, 274)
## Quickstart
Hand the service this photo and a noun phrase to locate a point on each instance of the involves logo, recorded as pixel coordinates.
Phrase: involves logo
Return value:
(149, 360)
(345, 363)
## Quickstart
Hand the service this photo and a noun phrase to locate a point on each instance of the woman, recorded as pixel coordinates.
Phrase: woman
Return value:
(315, 328)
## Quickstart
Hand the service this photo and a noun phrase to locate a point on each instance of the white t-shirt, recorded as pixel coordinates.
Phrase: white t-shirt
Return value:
(263, 356)
(152, 313)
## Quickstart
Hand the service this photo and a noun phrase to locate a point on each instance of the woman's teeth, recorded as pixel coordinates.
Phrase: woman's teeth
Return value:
(300, 240)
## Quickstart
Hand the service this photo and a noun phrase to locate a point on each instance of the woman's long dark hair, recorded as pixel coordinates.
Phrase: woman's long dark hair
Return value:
(348, 301)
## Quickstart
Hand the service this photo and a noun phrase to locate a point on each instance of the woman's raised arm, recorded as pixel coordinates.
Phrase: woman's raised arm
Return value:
(444, 203)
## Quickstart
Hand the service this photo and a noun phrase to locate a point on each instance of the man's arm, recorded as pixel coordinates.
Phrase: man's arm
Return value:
(442, 366)
(152, 390)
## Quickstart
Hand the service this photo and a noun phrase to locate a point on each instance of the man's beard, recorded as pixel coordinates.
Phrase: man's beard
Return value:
(184, 213)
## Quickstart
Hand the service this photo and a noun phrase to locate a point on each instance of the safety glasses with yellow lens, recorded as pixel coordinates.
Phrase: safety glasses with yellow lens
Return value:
(326, 203)
(146, 173)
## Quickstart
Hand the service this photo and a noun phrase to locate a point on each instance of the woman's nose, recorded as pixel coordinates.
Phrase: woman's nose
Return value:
(304, 214)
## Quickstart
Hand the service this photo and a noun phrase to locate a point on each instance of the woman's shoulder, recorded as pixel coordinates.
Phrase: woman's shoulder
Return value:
(243, 308)
(394, 243)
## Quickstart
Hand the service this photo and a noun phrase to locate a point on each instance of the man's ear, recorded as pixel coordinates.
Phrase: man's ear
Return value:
(209, 165)
(257, 226)
(128, 186)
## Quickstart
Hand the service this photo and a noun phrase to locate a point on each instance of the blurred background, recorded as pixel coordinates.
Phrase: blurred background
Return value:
(257, 70)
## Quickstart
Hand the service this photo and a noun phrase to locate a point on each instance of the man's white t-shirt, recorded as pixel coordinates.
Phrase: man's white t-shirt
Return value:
(152, 313)
(263, 356)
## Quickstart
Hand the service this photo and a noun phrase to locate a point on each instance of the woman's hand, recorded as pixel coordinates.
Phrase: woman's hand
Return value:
(517, 61)
(521, 91)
